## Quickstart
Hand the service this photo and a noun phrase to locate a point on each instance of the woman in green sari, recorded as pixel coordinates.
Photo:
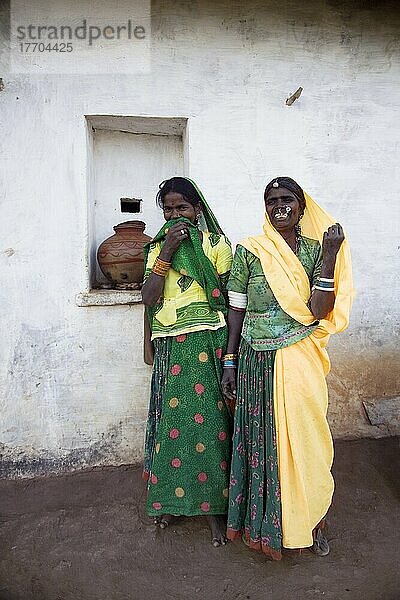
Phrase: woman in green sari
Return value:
(187, 446)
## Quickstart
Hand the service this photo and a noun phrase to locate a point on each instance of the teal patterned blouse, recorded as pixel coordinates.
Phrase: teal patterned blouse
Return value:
(266, 326)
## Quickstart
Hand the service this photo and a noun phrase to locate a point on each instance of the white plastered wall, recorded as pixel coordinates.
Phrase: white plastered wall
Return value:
(74, 389)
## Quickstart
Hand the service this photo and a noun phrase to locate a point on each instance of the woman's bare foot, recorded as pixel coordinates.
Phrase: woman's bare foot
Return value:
(217, 524)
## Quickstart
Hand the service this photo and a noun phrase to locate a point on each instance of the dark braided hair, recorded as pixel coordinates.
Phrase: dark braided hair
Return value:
(291, 185)
(179, 185)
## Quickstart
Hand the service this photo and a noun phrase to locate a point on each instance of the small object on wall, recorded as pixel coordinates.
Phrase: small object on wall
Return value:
(131, 205)
(1, 84)
(121, 256)
(293, 97)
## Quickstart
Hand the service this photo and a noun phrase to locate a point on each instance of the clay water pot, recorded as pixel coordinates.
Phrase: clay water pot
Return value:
(120, 256)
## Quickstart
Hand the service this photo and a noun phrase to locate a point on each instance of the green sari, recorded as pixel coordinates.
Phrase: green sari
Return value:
(187, 446)
(255, 493)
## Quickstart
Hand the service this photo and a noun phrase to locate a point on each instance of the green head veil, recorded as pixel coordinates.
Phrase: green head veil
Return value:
(189, 259)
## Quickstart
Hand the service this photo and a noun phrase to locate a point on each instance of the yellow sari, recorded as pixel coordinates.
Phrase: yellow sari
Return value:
(305, 448)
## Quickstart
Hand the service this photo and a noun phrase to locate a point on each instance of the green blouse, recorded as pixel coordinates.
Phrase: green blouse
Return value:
(266, 326)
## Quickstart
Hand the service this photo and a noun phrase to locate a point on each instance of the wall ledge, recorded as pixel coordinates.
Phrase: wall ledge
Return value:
(108, 297)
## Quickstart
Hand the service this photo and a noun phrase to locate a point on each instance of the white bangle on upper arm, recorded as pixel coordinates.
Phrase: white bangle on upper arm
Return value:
(237, 300)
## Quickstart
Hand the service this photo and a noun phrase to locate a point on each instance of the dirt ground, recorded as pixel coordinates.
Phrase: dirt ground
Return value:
(85, 536)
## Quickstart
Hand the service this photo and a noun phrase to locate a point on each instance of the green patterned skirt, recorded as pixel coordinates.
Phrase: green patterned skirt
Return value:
(188, 437)
(254, 498)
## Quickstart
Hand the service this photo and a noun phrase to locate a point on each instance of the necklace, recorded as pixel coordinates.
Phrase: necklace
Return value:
(296, 246)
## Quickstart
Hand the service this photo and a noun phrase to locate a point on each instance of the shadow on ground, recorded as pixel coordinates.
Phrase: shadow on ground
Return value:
(85, 536)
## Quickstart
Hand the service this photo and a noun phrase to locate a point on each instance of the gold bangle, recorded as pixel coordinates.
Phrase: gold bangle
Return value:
(229, 356)
(162, 263)
(159, 272)
(161, 267)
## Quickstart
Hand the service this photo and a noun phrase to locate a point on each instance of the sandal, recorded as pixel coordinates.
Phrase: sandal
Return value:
(163, 521)
(217, 543)
(320, 546)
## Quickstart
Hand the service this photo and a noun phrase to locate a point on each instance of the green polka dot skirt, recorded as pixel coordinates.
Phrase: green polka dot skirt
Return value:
(188, 438)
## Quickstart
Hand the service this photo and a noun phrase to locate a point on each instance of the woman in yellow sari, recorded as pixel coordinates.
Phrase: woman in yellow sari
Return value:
(289, 289)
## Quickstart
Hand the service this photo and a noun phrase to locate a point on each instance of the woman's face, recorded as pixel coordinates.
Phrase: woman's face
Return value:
(176, 206)
(283, 208)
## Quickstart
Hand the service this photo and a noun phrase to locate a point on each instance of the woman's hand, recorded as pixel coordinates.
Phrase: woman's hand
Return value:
(228, 383)
(332, 240)
(175, 236)
(322, 301)
(154, 285)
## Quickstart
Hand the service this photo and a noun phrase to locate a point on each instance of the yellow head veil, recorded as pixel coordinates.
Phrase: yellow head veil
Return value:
(288, 279)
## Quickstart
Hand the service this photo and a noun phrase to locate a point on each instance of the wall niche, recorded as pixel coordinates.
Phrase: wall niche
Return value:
(128, 156)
